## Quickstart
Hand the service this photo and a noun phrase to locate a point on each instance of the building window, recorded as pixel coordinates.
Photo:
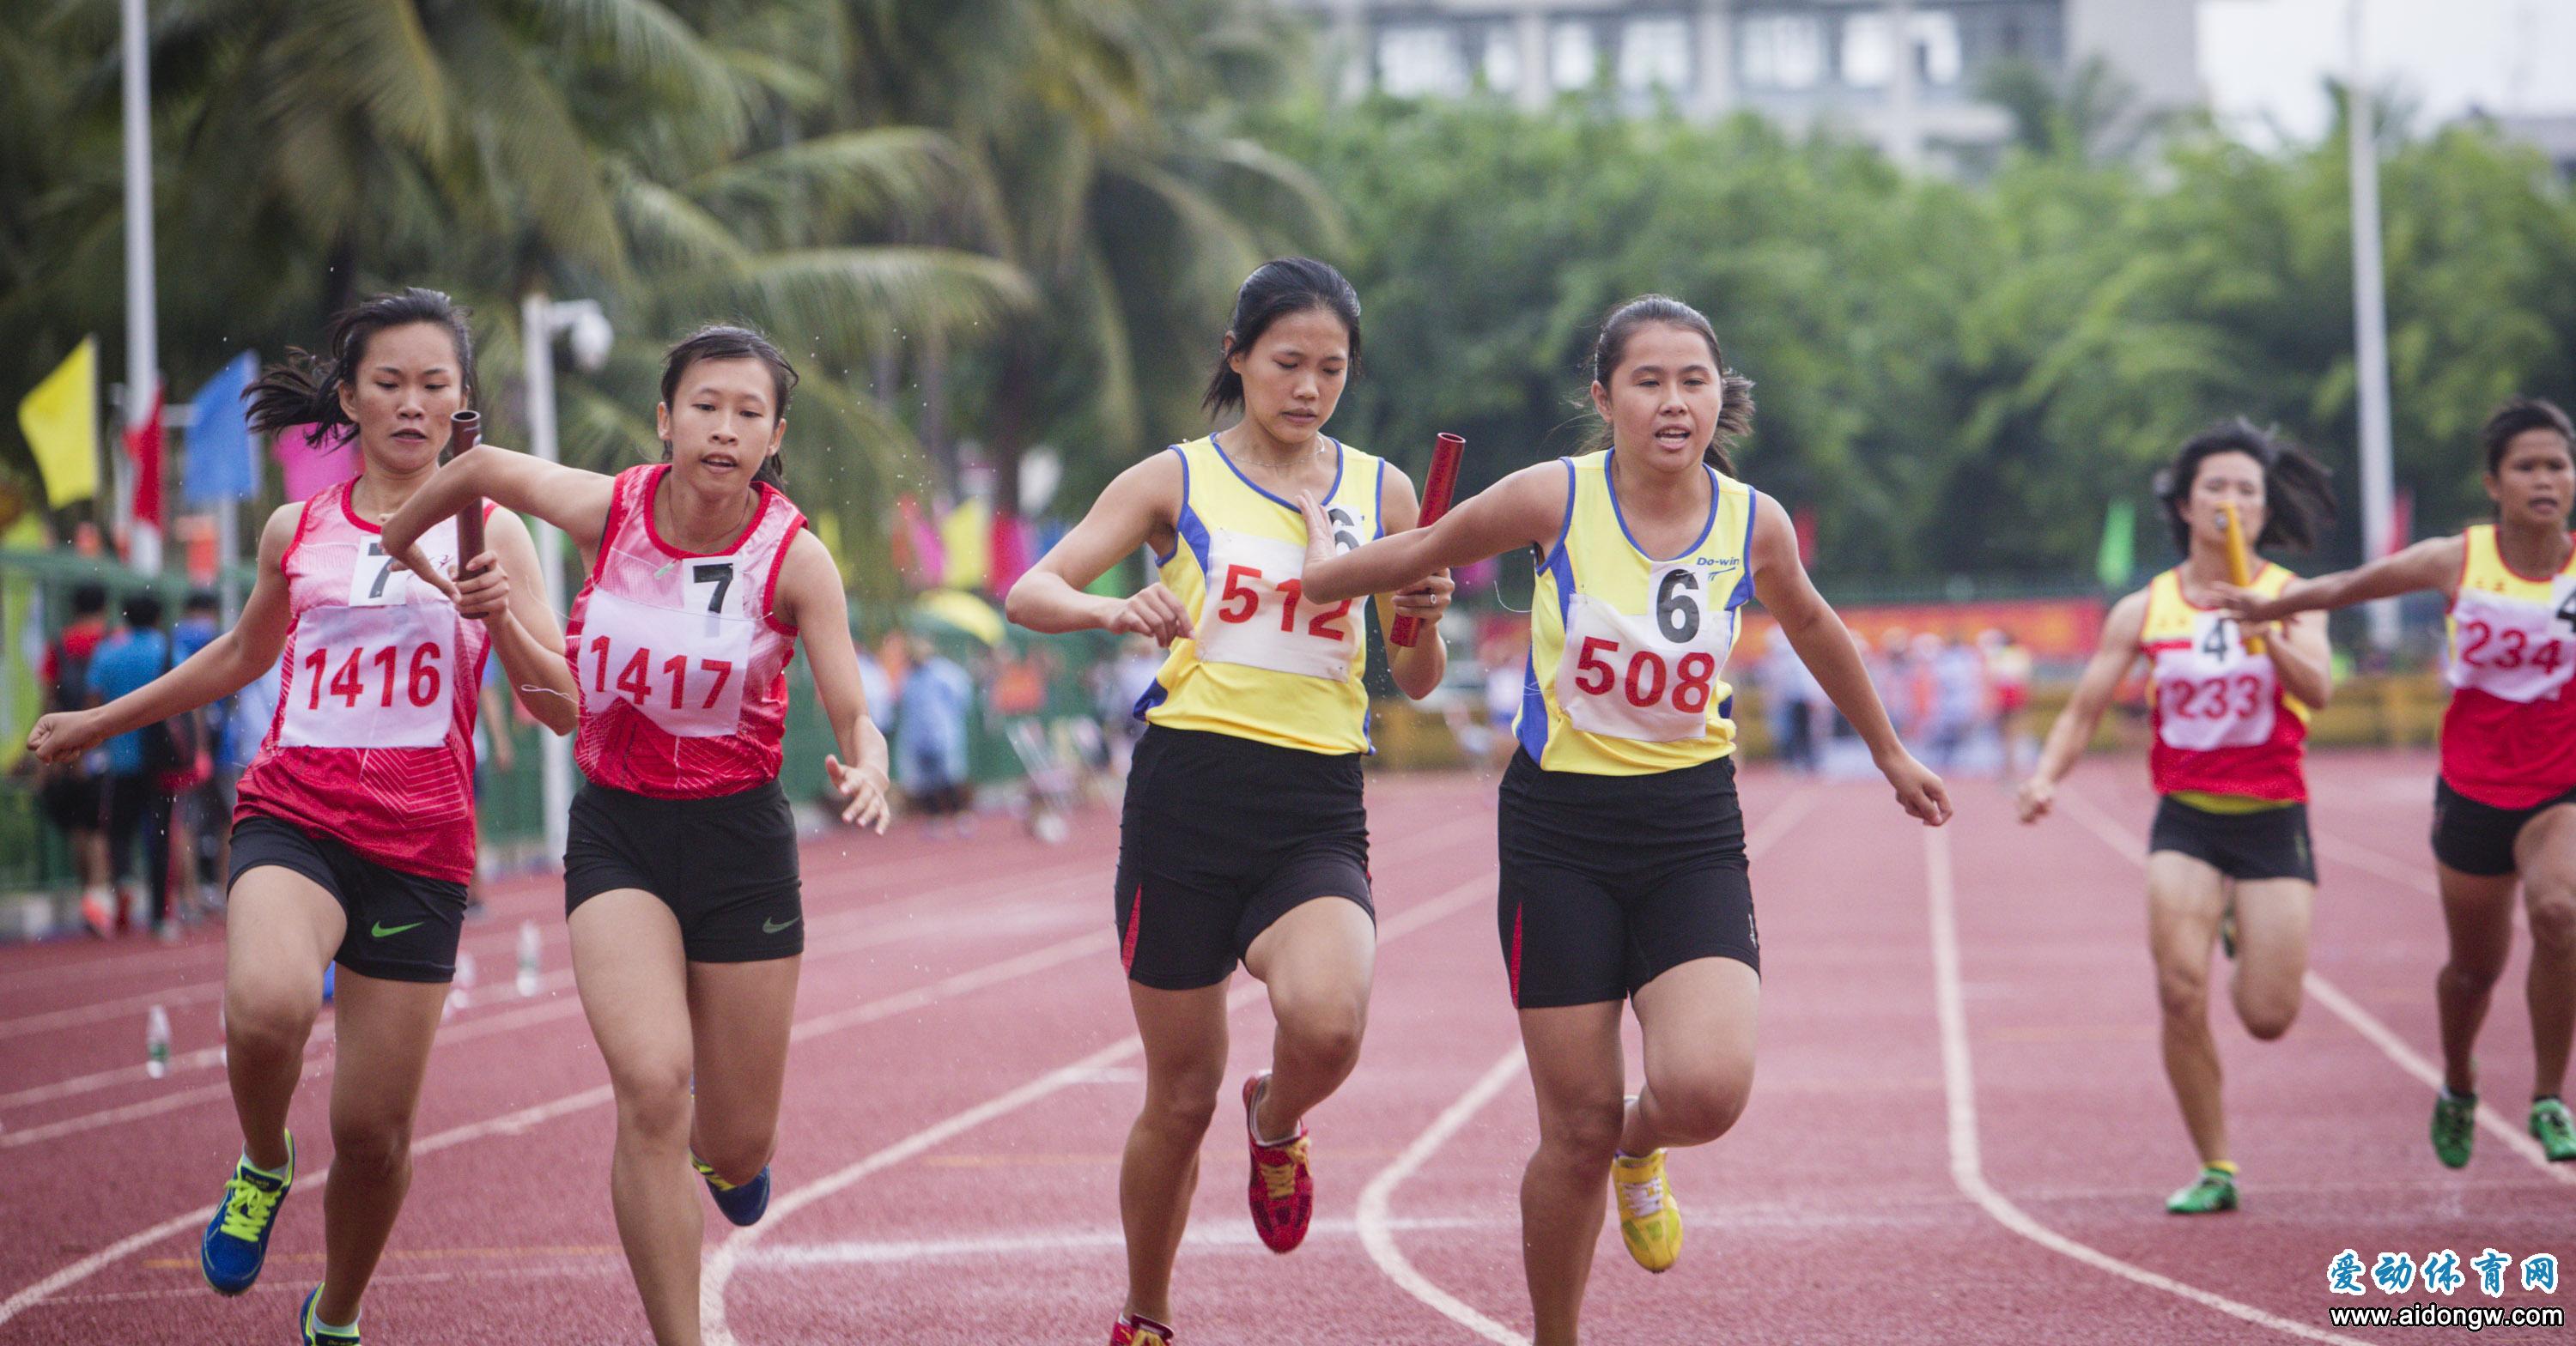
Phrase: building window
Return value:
(1573, 55)
(1869, 55)
(1783, 51)
(1654, 53)
(1418, 59)
(1502, 59)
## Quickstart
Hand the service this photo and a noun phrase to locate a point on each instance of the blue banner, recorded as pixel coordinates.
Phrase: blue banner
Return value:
(221, 465)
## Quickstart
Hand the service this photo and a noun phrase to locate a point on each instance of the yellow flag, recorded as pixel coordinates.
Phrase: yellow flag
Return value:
(967, 535)
(60, 419)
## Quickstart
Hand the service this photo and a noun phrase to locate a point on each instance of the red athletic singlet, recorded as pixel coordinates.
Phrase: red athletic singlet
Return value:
(680, 656)
(2509, 737)
(372, 743)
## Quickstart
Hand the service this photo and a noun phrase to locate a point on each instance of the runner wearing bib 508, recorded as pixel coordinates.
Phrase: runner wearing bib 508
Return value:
(1244, 837)
(2504, 806)
(681, 887)
(2228, 859)
(1623, 867)
(354, 832)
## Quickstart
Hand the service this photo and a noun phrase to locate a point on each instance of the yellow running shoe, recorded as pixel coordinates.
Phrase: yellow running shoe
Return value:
(1650, 1223)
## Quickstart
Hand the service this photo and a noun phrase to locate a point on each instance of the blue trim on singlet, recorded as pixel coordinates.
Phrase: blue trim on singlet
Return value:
(1155, 695)
(1381, 499)
(1744, 583)
(1340, 461)
(1531, 725)
(1610, 483)
(1166, 558)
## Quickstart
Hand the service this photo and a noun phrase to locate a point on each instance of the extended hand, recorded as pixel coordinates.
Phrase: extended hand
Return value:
(1153, 611)
(63, 736)
(1918, 790)
(2035, 798)
(1425, 599)
(865, 787)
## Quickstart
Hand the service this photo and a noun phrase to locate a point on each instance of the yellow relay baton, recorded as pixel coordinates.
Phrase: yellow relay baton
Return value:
(2240, 566)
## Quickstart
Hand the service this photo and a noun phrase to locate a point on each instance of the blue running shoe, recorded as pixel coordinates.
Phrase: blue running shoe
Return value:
(315, 1334)
(743, 1204)
(237, 1238)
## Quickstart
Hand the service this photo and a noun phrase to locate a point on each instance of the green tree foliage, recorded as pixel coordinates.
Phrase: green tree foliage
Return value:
(1957, 377)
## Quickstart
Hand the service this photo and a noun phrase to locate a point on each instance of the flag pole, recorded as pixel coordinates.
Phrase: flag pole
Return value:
(142, 347)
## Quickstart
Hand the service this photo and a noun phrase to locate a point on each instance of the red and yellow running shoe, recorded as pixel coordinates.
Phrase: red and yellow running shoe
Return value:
(1283, 1188)
(1135, 1329)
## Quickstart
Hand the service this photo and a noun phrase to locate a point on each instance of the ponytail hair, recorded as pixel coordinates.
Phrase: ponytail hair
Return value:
(305, 388)
(1276, 290)
(1735, 392)
(2298, 491)
(724, 341)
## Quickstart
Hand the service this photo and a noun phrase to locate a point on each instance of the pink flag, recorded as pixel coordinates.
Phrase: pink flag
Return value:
(1011, 559)
(311, 463)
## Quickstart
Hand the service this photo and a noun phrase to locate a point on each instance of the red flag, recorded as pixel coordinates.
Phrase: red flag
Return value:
(143, 445)
(2401, 520)
(1803, 519)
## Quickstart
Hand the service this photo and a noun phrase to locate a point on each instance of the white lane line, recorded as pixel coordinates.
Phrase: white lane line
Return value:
(1009, 915)
(1377, 1227)
(2344, 1007)
(498, 941)
(512, 1123)
(730, 1255)
(1967, 1165)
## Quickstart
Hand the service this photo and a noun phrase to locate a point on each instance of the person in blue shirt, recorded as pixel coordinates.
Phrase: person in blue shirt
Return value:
(930, 735)
(206, 811)
(139, 792)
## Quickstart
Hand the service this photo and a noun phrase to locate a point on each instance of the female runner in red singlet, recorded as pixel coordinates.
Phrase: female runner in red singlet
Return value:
(680, 870)
(2504, 807)
(354, 836)
(2228, 857)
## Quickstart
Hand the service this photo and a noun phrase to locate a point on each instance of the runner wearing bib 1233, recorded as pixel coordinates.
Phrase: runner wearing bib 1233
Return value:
(682, 667)
(2230, 745)
(1625, 733)
(1267, 689)
(2509, 736)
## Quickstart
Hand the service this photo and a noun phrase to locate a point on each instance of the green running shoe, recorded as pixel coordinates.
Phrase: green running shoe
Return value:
(2215, 1192)
(2554, 1129)
(2455, 1121)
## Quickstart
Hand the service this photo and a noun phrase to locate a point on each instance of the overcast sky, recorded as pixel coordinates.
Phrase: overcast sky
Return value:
(2266, 58)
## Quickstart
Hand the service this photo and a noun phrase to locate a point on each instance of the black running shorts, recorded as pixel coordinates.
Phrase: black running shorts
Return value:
(726, 866)
(402, 927)
(1608, 882)
(2476, 838)
(2266, 844)
(1220, 837)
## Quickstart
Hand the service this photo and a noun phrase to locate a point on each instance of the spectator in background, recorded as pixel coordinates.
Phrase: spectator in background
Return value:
(1124, 680)
(74, 795)
(492, 736)
(204, 821)
(246, 722)
(1797, 704)
(146, 767)
(878, 686)
(1958, 675)
(930, 737)
(2008, 670)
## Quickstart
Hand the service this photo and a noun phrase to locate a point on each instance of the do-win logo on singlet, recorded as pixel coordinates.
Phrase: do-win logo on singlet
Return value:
(2210, 693)
(1256, 611)
(683, 667)
(378, 671)
(1649, 678)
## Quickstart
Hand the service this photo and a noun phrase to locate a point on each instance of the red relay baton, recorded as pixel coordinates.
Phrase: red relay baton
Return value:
(464, 429)
(1436, 490)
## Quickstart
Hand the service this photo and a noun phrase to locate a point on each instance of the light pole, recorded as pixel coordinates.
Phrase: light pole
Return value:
(541, 320)
(2370, 331)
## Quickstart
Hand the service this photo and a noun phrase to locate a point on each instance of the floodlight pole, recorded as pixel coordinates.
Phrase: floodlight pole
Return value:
(2370, 331)
(541, 320)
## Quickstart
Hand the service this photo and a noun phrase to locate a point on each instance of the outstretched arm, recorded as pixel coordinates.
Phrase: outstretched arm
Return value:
(1136, 510)
(2433, 563)
(500, 589)
(1522, 510)
(810, 598)
(227, 664)
(1825, 646)
(2075, 724)
(570, 498)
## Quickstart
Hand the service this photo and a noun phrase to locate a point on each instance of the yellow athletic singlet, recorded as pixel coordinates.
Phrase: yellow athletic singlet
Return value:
(1626, 648)
(1264, 664)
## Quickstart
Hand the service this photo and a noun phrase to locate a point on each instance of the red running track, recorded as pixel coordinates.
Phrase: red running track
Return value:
(1961, 1132)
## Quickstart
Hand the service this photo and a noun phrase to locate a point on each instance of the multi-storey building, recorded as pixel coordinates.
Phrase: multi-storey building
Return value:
(1904, 73)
